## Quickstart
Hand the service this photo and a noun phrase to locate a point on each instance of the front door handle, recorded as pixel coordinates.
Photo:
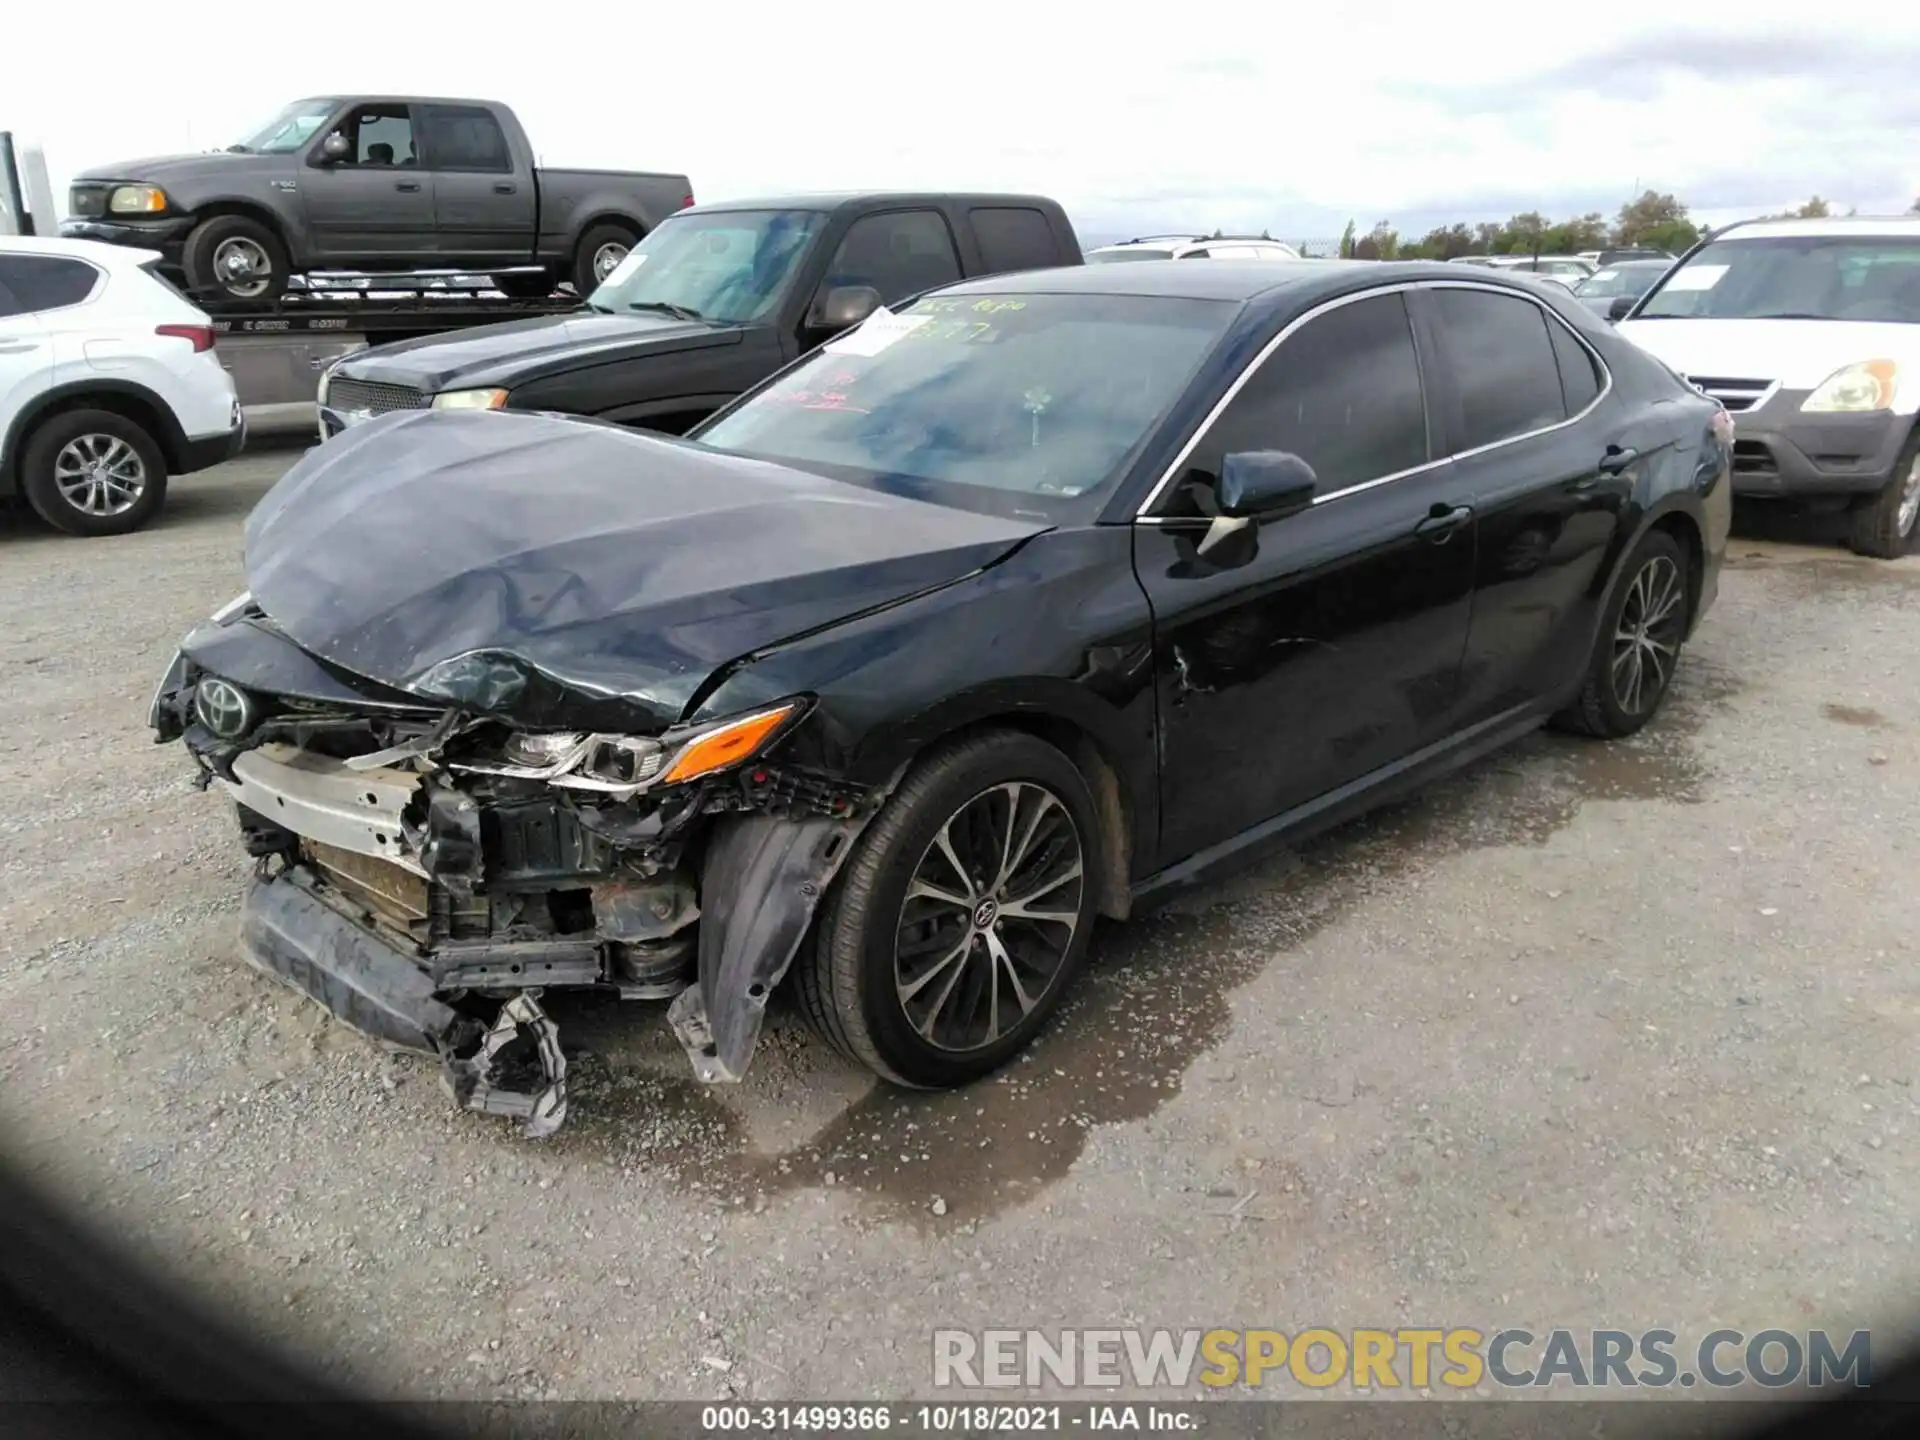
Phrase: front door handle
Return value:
(1442, 521)
(411, 187)
(1617, 459)
(503, 188)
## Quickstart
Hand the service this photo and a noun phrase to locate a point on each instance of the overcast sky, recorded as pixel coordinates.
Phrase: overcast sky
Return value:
(1138, 116)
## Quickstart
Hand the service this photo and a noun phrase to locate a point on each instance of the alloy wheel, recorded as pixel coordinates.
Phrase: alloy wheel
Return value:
(1646, 638)
(242, 267)
(1909, 499)
(989, 916)
(100, 475)
(607, 259)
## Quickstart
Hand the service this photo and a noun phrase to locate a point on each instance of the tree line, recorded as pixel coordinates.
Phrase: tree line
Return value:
(1659, 221)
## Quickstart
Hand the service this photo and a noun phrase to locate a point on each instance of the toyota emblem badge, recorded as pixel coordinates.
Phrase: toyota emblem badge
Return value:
(224, 709)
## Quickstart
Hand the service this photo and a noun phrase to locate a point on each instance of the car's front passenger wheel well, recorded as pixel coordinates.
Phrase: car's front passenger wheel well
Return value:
(1113, 893)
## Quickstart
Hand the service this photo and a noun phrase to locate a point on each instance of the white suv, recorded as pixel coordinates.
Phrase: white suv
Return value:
(1808, 331)
(108, 385)
(1193, 247)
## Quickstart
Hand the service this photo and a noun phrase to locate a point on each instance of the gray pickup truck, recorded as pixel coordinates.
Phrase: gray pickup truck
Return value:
(374, 183)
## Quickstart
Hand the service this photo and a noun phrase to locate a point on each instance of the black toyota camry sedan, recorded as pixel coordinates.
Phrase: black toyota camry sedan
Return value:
(1039, 598)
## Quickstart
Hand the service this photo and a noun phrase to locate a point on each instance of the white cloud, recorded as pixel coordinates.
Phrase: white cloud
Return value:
(1136, 116)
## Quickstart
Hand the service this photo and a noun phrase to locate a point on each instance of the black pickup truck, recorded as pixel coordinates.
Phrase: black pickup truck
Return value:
(374, 183)
(707, 306)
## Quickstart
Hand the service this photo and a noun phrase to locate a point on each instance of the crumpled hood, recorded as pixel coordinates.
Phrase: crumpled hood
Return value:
(1799, 354)
(611, 572)
(519, 350)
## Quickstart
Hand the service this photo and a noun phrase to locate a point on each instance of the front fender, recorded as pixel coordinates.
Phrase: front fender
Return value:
(762, 879)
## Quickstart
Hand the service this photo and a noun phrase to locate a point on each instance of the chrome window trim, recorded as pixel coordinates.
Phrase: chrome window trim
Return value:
(1292, 327)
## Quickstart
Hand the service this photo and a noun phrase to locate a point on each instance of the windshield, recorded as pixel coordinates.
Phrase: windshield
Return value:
(1620, 280)
(1107, 257)
(289, 130)
(1811, 277)
(996, 402)
(730, 265)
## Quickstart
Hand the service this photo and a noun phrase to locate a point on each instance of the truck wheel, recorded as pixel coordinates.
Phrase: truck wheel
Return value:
(238, 258)
(1883, 525)
(601, 248)
(92, 472)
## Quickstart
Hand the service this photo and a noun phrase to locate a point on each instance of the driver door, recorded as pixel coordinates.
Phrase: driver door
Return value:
(1325, 645)
(374, 205)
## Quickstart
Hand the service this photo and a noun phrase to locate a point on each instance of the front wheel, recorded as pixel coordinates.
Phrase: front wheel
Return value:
(959, 922)
(92, 472)
(236, 258)
(601, 250)
(1882, 525)
(1634, 655)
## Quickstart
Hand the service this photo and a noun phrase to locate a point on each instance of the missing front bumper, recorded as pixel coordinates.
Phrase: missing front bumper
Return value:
(512, 1067)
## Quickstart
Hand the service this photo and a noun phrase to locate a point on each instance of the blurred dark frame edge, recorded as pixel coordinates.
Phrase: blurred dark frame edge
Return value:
(92, 1344)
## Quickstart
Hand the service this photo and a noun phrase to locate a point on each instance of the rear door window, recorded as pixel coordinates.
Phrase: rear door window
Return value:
(464, 137)
(1503, 365)
(47, 282)
(1013, 238)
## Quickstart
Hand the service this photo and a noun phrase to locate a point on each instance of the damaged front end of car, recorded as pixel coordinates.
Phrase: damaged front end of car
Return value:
(426, 868)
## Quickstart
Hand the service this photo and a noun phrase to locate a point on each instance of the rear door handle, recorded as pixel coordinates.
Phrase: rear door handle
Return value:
(1617, 459)
(18, 347)
(503, 188)
(1442, 521)
(411, 187)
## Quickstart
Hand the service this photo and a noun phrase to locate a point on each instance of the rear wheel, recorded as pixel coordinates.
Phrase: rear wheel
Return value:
(238, 258)
(959, 922)
(1639, 643)
(92, 472)
(1883, 525)
(601, 250)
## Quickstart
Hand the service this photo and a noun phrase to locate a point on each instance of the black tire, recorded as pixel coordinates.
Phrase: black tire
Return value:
(45, 461)
(204, 261)
(1876, 526)
(525, 287)
(847, 981)
(598, 237)
(1655, 573)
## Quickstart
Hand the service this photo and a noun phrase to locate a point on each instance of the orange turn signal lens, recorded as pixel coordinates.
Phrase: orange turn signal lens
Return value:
(725, 745)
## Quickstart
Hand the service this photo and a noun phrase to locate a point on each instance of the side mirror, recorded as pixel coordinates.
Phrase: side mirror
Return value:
(335, 147)
(1256, 485)
(1620, 306)
(842, 307)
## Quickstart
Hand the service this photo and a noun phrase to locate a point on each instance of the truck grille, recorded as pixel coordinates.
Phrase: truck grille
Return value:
(373, 397)
(1734, 394)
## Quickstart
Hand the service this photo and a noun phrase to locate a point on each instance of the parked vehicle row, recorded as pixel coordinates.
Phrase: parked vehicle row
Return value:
(1015, 605)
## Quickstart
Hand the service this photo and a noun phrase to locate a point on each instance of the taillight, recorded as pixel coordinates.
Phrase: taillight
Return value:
(201, 336)
(1723, 426)
(686, 201)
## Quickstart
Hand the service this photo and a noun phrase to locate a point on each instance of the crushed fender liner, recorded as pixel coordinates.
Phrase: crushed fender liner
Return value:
(297, 938)
(762, 878)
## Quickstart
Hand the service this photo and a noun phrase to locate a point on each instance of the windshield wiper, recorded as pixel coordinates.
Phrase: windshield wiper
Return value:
(1787, 315)
(239, 149)
(666, 307)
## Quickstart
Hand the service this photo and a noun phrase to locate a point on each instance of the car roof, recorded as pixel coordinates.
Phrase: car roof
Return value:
(111, 256)
(832, 200)
(369, 98)
(1867, 225)
(1239, 280)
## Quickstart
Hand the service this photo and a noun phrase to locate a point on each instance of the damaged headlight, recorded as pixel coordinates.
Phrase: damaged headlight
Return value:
(622, 766)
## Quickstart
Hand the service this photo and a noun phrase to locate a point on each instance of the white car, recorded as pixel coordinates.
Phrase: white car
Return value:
(1193, 247)
(108, 385)
(1808, 331)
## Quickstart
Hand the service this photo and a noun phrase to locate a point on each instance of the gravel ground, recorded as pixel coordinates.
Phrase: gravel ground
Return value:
(1587, 1036)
